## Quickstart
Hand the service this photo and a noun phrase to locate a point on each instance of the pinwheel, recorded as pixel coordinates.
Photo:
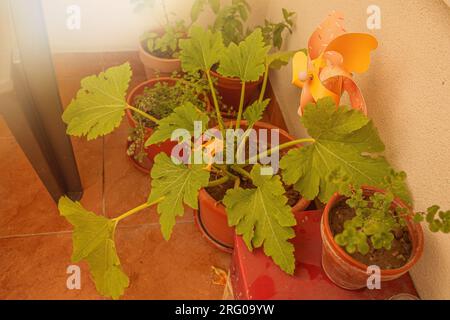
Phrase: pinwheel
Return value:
(333, 56)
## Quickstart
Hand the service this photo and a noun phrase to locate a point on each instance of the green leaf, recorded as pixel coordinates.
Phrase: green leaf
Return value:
(245, 61)
(177, 184)
(363, 247)
(201, 51)
(279, 59)
(100, 103)
(182, 118)
(215, 5)
(263, 217)
(255, 112)
(197, 8)
(345, 139)
(93, 241)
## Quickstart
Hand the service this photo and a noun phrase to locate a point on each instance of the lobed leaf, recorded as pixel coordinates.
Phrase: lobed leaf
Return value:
(263, 218)
(93, 241)
(255, 112)
(182, 117)
(201, 51)
(178, 185)
(344, 139)
(279, 59)
(245, 61)
(100, 103)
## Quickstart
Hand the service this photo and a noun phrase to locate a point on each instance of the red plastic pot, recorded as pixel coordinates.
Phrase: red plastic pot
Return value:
(230, 90)
(212, 218)
(349, 273)
(158, 66)
(152, 150)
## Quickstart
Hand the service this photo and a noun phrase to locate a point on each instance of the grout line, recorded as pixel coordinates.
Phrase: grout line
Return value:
(154, 224)
(57, 233)
(29, 235)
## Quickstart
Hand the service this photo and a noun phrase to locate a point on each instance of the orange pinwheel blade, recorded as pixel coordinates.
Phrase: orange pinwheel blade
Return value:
(355, 48)
(329, 29)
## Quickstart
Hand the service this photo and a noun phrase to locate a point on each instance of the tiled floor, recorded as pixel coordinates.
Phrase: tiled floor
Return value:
(35, 242)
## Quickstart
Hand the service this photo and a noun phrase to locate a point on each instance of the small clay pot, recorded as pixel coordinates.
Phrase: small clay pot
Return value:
(152, 150)
(348, 273)
(157, 66)
(230, 90)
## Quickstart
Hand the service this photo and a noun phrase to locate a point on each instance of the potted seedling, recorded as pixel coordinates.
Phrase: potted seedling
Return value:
(158, 48)
(231, 21)
(157, 99)
(370, 227)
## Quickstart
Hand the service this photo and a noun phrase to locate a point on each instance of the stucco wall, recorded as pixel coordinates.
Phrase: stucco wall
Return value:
(5, 46)
(407, 90)
(113, 26)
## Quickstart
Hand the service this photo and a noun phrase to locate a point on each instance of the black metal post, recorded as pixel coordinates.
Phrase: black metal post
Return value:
(34, 108)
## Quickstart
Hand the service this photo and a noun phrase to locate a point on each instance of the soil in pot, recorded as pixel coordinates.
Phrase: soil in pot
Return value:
(394, 258)
(350, 271)
(218, 192)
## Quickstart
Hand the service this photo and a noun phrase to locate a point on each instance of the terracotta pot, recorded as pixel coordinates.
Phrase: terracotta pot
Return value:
(230, 90)
(152, 150)
(155, 66)
(212, 218)
(349, 273)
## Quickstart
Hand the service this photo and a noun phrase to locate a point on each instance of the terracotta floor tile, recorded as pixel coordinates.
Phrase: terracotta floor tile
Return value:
(111, 59)
(89, 157)
(35, 268)
(178, 269)
(4, 130)
(68, 88)
(125, 186)
(77, 64)
(26, 207)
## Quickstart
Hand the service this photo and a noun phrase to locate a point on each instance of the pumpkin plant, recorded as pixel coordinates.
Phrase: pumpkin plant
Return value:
(341, 138)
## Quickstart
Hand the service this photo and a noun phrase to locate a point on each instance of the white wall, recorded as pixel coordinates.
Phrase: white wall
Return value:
(5, 46)
(111, 25)
(407, 90)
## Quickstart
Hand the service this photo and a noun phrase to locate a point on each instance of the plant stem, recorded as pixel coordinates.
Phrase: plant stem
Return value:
(264, 85)
(142, 113)
(241, 106)
(237, 183)
(218, 182)
(166, 15)
(281, 147)
(225, 170)
(241, 171)
(136, 210)
(216, 103)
